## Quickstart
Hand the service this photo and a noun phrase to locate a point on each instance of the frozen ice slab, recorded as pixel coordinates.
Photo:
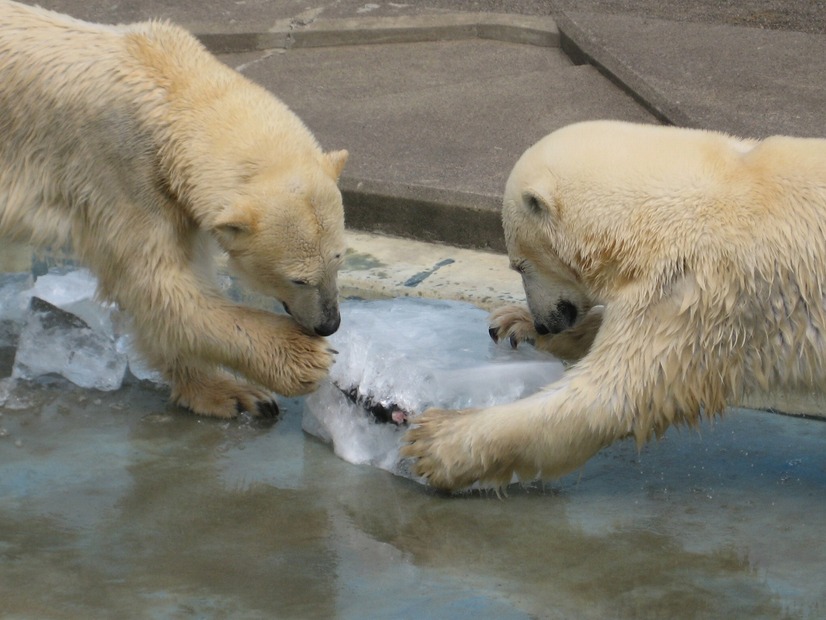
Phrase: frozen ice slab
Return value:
(55, 341)
(73, 292)
(399, 357)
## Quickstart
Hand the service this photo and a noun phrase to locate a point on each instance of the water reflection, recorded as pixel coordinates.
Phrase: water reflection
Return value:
(118, 505)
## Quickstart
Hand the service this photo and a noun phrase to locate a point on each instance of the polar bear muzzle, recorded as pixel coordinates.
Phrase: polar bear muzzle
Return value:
(332, 321)
(562, 317)
(325, 322)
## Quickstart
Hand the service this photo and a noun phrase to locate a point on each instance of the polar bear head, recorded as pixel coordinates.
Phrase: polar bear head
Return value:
(539, 238)
(285, 237)
(582, 211)
(246, 169)
(603, 211)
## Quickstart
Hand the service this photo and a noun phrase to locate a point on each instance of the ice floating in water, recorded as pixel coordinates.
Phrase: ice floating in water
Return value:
(408, 355)
(73, 292)
(137, 365)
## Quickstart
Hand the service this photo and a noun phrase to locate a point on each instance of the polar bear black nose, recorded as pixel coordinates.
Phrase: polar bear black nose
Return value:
(328, 327)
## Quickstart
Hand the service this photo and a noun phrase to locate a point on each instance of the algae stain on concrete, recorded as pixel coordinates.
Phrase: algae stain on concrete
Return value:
(423, 275)
(359, 261)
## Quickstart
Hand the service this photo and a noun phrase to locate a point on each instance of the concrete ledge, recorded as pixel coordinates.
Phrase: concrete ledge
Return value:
(583, 48)
(378, 266)
(464, 220)
(424, 213)
(287, 34)
(240, 42)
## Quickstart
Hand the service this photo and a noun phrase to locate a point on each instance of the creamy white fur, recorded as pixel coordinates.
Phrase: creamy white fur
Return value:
(708, 254)
(137, 147)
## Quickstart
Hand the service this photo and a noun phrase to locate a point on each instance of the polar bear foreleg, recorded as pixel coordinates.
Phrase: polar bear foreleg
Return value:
(632, 382)
(536, 437)
(544, 436)
(191, 335)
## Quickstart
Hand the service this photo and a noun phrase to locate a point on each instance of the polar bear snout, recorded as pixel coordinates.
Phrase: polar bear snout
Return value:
(562, 317)
(328, 319)
(325, 325)
(329, 326)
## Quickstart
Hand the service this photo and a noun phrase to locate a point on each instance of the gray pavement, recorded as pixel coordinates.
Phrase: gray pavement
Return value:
(434, 128)
(437, 99)
(748, 81)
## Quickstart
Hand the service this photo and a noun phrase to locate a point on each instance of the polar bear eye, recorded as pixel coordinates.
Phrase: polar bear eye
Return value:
(300, 282)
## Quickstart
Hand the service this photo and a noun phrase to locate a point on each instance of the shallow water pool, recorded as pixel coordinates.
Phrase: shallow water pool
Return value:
(119, 505)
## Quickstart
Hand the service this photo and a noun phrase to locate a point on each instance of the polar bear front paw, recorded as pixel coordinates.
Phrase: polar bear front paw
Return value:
(221, 396)
(451, 455)
(514, 324)
(303, 362)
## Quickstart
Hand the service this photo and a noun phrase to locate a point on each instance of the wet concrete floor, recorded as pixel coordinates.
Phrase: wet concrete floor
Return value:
(117, 505)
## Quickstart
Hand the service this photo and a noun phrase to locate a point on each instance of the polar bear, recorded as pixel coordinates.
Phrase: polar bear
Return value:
(708, 255)
(140, 149)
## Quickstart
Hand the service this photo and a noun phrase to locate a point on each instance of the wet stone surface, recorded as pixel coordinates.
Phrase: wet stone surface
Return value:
(118, 505)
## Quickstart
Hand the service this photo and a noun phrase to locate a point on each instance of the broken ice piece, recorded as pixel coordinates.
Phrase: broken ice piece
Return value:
(13, 305)
(138, 366)
(398, 358)
(54, 341)
(75, 292)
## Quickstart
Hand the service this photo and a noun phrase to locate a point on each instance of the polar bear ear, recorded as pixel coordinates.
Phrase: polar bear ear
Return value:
(232, 223)
(536, 203)
(337, 159)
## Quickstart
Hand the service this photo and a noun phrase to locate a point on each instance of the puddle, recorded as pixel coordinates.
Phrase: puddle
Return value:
(118, 505)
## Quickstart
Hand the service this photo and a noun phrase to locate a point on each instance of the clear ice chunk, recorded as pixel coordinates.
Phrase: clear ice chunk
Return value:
(14, 303)
(55, 341)
(137, 365)
(404, 356)
(75, 292)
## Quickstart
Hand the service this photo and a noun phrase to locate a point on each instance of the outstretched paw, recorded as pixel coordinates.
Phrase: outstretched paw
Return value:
(450, 453)
(266, 409)
(514, 324)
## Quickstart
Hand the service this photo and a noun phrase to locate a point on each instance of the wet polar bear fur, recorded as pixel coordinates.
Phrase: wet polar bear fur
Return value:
(708, 254)
(140, 149)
